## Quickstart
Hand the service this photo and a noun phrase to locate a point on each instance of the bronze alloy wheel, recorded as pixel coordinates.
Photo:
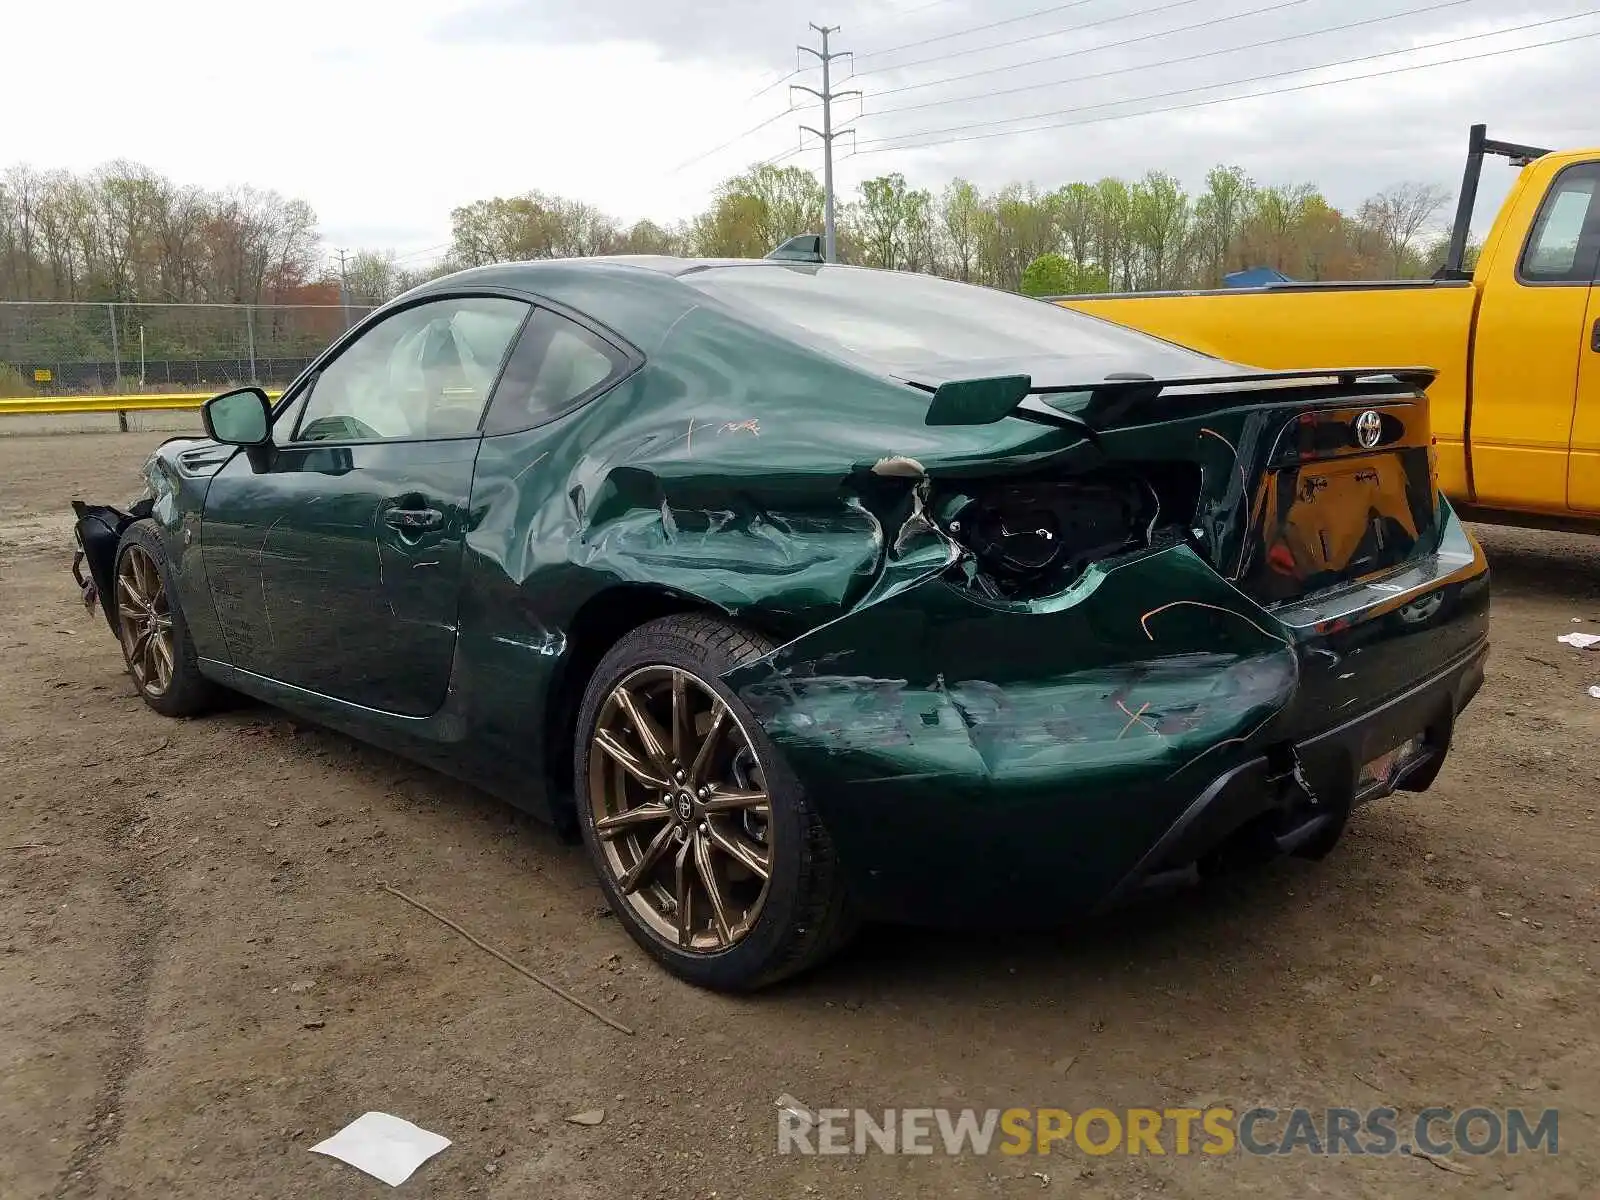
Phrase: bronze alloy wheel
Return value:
(681, 811)
(145, 618)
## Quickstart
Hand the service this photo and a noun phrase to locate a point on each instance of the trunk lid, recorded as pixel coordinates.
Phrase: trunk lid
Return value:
(1342, 494)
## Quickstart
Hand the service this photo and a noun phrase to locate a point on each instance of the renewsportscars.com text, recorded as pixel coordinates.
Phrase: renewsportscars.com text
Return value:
(1178, 1132)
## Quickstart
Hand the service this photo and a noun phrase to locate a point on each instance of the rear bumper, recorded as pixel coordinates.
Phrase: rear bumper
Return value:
(1259, 804)
(976, 761)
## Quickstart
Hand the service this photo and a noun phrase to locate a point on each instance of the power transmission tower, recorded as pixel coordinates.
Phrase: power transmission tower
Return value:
(827, 133)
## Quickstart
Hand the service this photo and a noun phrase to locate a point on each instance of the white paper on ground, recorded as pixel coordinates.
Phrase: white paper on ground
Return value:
(1595, 692)
(383, 1146)
(1581, 640)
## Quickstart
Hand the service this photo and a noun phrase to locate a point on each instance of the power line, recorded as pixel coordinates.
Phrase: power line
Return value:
(781, 157)
(756, 128)
(1304, 87)
(762, 91)
(1187, 58)
(748, 100)
(1032, 37)
(759, 126)
(900, 14)
(945, 37)
(425, 251)
(1143, 37)
(1061, 112)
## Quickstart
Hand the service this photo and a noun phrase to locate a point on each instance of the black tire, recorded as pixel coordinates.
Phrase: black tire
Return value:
(188, 693)
(806, 914)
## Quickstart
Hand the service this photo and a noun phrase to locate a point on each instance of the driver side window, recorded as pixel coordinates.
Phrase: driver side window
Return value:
(426, 372)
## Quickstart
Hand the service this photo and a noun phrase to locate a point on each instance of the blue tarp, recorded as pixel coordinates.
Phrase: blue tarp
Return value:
(1254, 277)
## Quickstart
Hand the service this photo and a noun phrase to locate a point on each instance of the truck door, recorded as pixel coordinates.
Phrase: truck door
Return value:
(1534, 330)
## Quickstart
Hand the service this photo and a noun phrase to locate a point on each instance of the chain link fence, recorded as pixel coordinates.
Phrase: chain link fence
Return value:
(87, 348)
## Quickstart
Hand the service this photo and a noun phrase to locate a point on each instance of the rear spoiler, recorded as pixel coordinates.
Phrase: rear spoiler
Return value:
(985, 401)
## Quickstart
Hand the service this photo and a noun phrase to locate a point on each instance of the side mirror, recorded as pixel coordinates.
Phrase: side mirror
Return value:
(242, 417)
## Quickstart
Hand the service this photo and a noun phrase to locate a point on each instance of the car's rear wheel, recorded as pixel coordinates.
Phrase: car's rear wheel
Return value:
(704, 841)
(155, 638)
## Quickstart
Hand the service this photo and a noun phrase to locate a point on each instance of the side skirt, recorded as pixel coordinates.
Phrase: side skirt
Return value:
(440, 740)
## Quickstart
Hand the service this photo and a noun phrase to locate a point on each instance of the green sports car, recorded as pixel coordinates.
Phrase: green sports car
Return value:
(803, 593)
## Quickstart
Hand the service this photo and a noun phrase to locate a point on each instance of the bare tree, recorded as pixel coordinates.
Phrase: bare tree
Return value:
(1398, 214)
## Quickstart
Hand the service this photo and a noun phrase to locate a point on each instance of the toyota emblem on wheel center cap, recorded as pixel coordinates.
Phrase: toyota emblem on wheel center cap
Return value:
(1369, 429)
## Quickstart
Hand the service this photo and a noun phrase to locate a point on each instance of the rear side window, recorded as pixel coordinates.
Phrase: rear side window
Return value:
(1565, 242)
(898, 321)
(556, 366)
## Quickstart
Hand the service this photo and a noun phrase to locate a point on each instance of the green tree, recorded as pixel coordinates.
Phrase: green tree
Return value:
(880, 219)
(1219, 215)
(1159, 228)
(1112, 244)
(646, 237)
(1050, 275)
(503, 229)
(920, 241)
(1075, 209)
(733, 227)
(753, 212)
(372, 277)
(1056, 275)
(960, 213)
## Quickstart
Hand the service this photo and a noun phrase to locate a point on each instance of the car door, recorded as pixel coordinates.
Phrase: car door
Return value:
(1530, 341)
(335, 554)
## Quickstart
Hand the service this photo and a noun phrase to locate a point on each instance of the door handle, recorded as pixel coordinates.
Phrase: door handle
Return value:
(413, 520)
(1594, 338)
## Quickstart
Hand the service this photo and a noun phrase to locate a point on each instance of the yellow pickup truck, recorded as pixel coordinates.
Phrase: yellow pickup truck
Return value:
(1516, 341)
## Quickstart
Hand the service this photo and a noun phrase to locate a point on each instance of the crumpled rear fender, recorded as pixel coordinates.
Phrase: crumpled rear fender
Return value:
(938, 731)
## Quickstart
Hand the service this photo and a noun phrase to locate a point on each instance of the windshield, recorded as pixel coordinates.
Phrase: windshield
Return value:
(905, 323)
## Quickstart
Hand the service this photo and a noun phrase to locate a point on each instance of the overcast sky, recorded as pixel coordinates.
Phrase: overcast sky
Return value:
(385, 114)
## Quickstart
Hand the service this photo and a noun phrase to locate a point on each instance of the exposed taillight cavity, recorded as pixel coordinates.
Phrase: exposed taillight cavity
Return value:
(1032, 537)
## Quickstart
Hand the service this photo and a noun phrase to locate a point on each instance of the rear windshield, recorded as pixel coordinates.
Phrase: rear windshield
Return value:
(898, 320)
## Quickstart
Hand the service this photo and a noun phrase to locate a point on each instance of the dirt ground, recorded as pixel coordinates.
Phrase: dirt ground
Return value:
(200, 975)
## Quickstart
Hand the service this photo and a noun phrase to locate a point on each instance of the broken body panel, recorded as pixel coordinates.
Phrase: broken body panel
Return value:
(1016, 646)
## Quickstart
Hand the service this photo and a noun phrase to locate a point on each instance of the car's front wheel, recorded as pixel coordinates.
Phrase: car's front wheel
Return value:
(705, 843)
(155, 638)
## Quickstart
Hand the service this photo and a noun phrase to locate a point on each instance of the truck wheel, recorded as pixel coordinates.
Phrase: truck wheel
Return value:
(155, 638)
(706, 845)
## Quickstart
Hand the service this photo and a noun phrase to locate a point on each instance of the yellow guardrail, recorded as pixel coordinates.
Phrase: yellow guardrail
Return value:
(120, 405)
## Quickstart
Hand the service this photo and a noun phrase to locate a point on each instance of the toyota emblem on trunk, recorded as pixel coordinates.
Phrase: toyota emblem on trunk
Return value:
(1369, 429)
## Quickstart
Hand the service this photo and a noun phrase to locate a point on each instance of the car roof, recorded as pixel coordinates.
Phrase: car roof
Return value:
(529, 272)
(643, 297)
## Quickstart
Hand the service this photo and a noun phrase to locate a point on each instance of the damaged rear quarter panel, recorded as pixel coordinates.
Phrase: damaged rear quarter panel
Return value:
(1096, 711)
(732, 471)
